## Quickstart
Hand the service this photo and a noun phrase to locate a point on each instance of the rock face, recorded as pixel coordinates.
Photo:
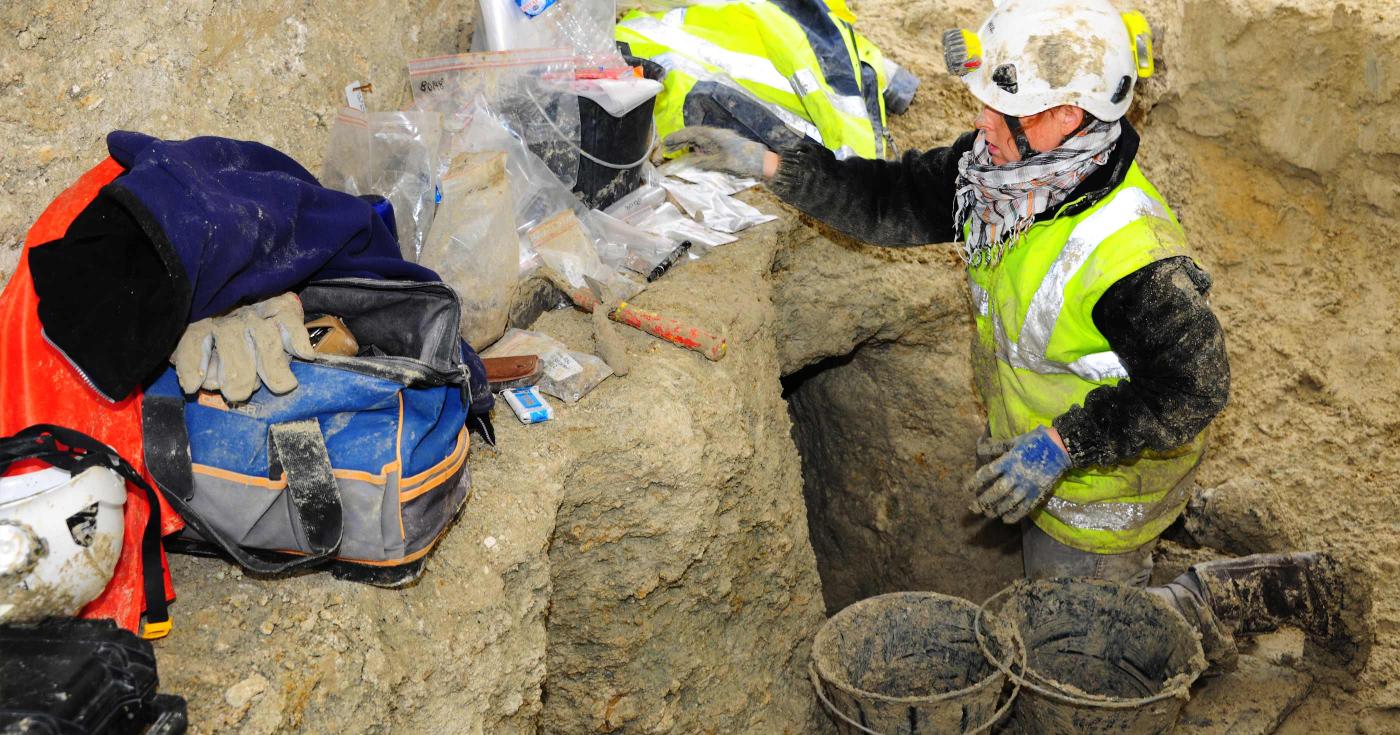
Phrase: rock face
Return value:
(887, 426)
(643, 563)
(684, 585)
(461, 651)
(1252, 700)
(1287, 195)
(267, 71)
(640, 564)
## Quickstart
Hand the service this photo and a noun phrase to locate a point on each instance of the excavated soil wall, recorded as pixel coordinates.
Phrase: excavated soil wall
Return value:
(1270, 127)
(643, 564)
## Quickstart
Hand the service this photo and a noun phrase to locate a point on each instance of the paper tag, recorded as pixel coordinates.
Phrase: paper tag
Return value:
(355, 95)
(559, 366)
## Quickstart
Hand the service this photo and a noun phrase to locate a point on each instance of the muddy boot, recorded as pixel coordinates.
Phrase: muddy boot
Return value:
(1263, 592)
(1185, 595)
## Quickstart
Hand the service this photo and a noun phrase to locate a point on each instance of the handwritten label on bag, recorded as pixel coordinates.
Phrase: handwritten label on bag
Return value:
(559, 366)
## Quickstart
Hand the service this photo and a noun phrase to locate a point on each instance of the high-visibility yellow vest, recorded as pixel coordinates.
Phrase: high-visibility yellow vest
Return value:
(810, 73)
(1038, 354)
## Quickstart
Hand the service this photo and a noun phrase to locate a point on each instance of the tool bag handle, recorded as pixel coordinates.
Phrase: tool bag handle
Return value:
(317, 511)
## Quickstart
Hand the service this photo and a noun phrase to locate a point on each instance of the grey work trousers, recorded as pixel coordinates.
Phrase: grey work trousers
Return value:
(1045, 558)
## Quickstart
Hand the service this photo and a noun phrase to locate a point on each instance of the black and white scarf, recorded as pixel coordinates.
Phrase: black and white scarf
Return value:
(1001, 202)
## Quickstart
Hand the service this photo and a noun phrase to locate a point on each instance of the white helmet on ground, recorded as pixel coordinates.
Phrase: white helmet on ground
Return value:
(1032, 55)
(60, 537)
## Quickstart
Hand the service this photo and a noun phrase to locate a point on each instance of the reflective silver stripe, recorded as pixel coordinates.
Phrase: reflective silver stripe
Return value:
(1028, 353)
(1110, 516)
(804, 82)
(747, 67)
(1095, 367)
(1126, 207)
(1099, 366)
(678, 62)
(981, 300)
(849, 105)
(757, 69)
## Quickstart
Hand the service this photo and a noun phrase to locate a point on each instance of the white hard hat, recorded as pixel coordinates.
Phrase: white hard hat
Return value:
(1032, 55)
(60, 537)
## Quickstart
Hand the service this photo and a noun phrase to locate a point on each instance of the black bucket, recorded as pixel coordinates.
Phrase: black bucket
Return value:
(908, 663)
(621, 141)
(1103, 657)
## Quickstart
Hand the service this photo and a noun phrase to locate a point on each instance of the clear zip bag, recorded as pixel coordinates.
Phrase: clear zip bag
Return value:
(530, 91)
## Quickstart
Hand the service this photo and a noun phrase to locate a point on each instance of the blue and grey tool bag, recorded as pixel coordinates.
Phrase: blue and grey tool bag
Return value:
(360, 469)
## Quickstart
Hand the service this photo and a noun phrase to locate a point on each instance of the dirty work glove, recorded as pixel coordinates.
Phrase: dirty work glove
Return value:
(989, 449)
(1015, 483)
(230, 353)
(719, 149)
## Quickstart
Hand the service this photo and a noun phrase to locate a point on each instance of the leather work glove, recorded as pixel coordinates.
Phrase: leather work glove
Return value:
(230, 353)
(1014, 484)
(719, 149)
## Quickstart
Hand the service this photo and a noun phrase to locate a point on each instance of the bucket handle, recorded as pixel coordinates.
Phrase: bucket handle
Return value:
(1180, 689)
(994, 719)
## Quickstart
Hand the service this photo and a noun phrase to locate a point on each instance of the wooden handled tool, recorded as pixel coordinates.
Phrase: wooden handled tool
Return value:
(670, 329)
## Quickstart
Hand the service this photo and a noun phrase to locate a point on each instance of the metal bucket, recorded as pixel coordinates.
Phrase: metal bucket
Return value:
(910, 663)
(1100, 657)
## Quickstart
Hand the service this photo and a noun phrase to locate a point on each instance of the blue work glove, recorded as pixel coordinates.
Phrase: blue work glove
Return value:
(1014, 484)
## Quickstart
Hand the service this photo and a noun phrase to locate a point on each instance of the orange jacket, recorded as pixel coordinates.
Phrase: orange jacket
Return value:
(37, 386)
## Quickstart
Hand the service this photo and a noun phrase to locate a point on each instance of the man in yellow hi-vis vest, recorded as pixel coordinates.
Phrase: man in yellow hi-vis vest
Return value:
(1097, 353)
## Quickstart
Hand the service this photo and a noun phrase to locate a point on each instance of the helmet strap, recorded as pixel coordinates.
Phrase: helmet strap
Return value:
(1023, 145)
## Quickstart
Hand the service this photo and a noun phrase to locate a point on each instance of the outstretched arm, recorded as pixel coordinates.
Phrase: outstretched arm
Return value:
(890, 203)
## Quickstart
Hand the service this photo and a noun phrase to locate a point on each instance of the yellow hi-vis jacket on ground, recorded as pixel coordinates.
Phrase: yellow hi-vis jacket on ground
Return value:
(774, 68)
(1038, 354)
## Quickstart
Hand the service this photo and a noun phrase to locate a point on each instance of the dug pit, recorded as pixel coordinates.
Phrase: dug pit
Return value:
(659, 557)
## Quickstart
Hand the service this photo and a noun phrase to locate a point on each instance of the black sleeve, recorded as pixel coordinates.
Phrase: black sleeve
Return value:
(1159, 324)
(891, 203)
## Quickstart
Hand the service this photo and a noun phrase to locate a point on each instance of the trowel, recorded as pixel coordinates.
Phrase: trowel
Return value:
(609, 343)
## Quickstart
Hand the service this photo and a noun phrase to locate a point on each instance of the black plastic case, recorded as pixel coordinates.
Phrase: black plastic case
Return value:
(82, 676)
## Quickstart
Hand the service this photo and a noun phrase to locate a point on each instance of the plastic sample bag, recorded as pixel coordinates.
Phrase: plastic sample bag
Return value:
(473, 244)
(630, 247)
(540, 197)
(585, 26)
(346, 163)
(720, 181)
(668, 221)
(528, 90)
(403, 168)
(713, 208)
(637, 204)
(567, 376)
(565, 247)
(393, 155)
(536, 192)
